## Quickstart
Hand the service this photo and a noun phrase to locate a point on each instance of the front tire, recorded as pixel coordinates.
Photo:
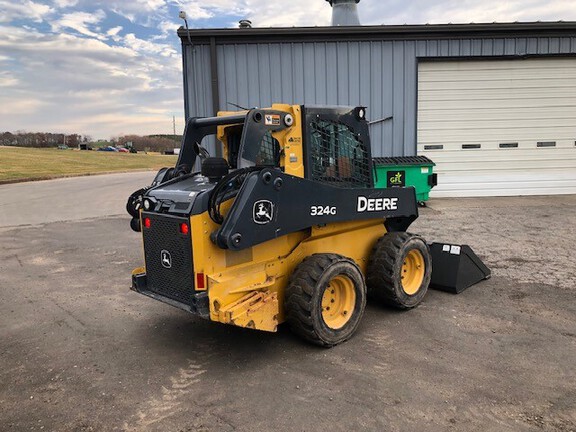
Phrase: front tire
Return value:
(399, 270)
(325, 299)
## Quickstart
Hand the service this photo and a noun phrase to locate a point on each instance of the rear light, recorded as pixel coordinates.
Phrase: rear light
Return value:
(200, 281)
(147, 223)
(184, 229)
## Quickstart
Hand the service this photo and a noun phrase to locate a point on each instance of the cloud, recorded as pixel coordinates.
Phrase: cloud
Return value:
(167, 29)
(197, 10)
(7, 79)
(62, 4)
(281, 14)
(25, 10)
(113, 32)
(20, 107)
(143, 45)
(262, 13)
(81, 22)
(75, 83)
(463, 11)
(135, 11)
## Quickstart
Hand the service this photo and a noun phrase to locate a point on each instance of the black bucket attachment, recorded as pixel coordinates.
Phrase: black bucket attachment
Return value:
(456, 267)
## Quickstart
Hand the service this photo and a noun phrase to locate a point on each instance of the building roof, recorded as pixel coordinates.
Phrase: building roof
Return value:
(380, 32)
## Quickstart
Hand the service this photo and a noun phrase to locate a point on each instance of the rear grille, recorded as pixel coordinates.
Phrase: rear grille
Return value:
(163, 241)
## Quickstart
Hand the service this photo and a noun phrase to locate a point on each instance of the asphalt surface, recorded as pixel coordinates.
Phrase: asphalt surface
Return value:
(80, 352)
(73, 198)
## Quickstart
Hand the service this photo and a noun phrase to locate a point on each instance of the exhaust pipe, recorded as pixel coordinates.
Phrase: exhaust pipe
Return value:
(344, 12)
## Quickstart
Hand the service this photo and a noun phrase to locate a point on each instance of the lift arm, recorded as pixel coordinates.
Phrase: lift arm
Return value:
(271, 204)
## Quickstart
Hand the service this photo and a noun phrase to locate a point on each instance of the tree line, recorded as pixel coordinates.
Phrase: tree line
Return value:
(41, 139)
(156, 143)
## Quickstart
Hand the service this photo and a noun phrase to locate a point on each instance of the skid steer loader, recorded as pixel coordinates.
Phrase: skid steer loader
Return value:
(286, 227)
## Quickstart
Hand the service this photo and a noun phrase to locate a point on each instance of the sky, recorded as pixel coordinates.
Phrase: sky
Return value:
(106, 68)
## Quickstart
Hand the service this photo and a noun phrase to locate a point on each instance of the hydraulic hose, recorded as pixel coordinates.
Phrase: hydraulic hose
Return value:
(227, 187)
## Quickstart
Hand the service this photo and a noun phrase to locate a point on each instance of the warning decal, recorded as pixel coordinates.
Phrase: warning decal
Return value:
(272, 119)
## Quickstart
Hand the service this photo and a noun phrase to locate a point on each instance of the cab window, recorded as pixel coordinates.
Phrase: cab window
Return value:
(338, 156)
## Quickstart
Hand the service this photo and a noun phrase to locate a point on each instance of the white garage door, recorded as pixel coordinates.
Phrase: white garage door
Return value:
(497, 128)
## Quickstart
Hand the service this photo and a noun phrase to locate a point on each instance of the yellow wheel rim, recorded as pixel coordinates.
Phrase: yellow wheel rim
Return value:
(338, 301)
(413, 270)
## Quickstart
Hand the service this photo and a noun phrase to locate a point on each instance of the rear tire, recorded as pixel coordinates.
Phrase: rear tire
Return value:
(399, 270)
(325, 299)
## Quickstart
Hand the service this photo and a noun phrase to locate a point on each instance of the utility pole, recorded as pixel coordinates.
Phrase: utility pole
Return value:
(174, 126)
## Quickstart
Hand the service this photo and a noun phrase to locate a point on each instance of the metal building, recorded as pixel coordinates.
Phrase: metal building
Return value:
(494, 105)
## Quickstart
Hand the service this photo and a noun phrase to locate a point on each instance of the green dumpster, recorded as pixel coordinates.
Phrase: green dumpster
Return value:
(403, 171)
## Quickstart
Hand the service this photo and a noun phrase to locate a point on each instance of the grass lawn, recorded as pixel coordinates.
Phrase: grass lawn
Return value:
(20, 163)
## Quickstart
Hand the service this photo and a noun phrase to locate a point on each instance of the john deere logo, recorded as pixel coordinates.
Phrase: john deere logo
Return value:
(396, 178)
(263, 212)
(166, 259)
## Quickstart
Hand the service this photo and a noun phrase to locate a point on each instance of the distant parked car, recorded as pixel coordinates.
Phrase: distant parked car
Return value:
(123, 150)
(108, 149)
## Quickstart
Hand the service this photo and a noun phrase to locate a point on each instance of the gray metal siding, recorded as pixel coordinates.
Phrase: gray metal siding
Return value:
(381, 75)
(198, 91)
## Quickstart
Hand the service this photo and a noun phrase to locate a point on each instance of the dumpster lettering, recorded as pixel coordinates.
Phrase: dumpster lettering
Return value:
(395, 178)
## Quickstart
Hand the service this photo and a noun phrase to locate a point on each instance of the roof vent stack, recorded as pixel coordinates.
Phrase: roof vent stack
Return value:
(245, 23)
(344, 12)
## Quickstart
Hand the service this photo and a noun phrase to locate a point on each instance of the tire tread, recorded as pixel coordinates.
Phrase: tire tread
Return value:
(381, 278)
(299, 295)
